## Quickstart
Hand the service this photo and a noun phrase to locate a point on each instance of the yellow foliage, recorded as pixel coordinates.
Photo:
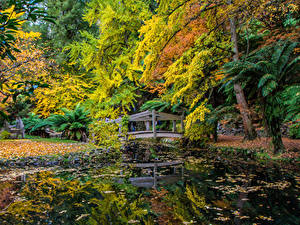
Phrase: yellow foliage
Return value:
(197, 114)
(65, 91)
(106, 134)
(30, 65)
(189, 77)
(13, 14)
(197, 201)
(28, 35)
(110, 54)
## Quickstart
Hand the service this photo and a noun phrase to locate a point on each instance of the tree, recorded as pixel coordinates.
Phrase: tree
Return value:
(64, 91)
(181, 52)
(272, 71)
(12, 14)
(109, 54)
(250, 132)
(216, 30)
(28, 71)
(67, 27)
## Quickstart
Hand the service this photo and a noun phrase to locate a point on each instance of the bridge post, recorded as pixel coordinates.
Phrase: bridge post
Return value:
(174, 126)
(181, 122)
(154, 123)
(155, 175)
(147, 123)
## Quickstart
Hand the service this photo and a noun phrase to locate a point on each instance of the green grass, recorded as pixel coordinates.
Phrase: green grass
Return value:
(52, 140)
(37, 138)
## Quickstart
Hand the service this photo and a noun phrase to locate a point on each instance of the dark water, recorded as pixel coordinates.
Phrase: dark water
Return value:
(239, 190)
(217, 188)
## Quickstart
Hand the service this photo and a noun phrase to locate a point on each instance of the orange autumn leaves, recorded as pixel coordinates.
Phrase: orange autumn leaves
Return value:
(26, 148)
(179, 42)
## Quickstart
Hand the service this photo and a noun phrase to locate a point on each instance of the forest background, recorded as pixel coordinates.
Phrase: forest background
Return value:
(214, 61)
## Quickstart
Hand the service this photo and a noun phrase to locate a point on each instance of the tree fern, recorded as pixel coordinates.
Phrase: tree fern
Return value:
(270, 73)
(73, 123)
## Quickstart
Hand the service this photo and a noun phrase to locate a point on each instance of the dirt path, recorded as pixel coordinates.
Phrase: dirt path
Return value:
(238, 142)
(292, 145)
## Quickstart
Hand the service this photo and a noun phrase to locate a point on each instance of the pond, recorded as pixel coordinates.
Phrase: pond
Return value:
(217, 188)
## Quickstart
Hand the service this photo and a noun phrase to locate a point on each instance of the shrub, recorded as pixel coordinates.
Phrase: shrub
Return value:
(35, 125)
(5, 135)
(294, 131)
(106, 134)
(73, 123)
(198, 134)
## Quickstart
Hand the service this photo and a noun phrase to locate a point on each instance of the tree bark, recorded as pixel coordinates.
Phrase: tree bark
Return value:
(275, 132)
(249, 130)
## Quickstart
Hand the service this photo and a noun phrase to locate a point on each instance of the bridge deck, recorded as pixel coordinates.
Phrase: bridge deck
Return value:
(158, 164)
(150, 134)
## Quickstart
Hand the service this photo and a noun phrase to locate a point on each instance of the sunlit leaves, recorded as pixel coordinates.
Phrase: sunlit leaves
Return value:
(65, 91)
(25, 148)
(108, 56)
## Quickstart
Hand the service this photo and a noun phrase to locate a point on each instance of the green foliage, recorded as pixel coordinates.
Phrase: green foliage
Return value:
(161, 106)
(291, 100)
(10, 22)
(271, 75)
(8, 27)
(124, 124)
(35, 125)
(294, 131)
(66, 29)
(3, 117)
(19, 107)
(5, 135)
(73, 123)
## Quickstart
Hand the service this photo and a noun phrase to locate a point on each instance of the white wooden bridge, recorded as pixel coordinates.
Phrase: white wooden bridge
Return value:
(152, 118)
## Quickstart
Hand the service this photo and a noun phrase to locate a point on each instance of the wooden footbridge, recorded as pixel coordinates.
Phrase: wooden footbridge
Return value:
(151, 119)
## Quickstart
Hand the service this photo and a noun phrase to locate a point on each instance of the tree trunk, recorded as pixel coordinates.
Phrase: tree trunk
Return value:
(215, 131)
(273, 122)
(249, 130)
(275, 132)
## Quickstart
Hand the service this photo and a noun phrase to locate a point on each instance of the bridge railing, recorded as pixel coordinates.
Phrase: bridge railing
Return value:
(153, 117)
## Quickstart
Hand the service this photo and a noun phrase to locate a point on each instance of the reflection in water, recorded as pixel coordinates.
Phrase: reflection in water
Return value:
(215, 189)
(258, 194)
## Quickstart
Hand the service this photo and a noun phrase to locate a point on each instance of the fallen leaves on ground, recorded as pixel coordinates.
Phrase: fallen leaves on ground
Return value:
(292, 145)
(25, 148)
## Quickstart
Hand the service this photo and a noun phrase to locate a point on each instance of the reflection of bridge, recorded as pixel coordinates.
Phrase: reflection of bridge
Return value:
(151, 118)
(152, 181)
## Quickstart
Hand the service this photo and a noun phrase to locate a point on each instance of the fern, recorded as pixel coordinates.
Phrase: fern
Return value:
(270, 75)
(73, 123)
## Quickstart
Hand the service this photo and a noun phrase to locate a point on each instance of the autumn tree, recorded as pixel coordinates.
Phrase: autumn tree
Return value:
(29, 71)
(181, 52)
(202, 49)
(108, 56)
(64, 91)
(12, 14)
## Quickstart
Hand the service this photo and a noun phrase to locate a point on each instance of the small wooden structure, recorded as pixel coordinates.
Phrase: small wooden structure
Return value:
(153, 117)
